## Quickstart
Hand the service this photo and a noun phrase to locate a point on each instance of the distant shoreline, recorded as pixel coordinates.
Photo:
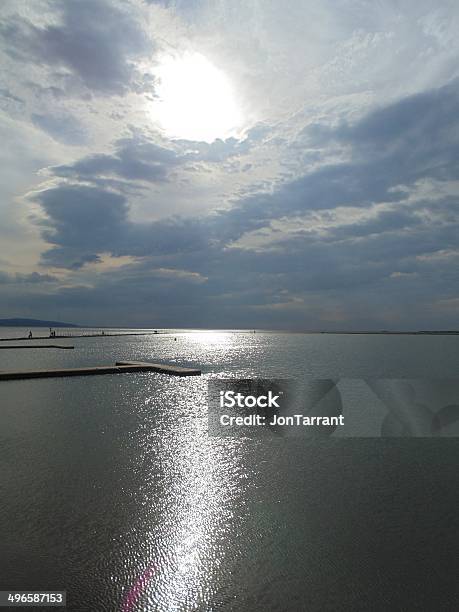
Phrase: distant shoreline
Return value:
(394, 333)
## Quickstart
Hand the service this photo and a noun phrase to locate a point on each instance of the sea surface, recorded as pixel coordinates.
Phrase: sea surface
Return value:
(112, 489)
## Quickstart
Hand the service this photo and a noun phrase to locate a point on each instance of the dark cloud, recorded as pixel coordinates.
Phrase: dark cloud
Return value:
(96, 41)
(379, 259)
(134, 159)
(371, 176)
(409, 138)
(81, 222)
(290, 299)
(32, 278)
(388, 153)
(84, 221)
(139, 159)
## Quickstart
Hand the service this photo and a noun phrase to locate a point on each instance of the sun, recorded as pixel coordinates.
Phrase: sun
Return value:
(195, 99)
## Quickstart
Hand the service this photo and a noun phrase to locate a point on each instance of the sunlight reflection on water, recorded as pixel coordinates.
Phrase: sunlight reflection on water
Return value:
(114, 483)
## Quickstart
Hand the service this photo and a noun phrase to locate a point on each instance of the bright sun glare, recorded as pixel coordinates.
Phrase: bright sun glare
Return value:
(195, 99)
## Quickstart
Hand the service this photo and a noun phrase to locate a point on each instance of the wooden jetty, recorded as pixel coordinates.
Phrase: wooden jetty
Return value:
(37, 346)
(60, 336)
(161, 368)
(120, 368)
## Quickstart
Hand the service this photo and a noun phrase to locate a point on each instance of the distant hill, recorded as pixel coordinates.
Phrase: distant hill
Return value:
(33, 323)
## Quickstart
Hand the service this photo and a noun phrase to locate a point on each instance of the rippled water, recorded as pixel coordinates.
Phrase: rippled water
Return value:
(112, 489)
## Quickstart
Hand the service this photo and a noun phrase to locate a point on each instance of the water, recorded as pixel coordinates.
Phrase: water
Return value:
(112, 489)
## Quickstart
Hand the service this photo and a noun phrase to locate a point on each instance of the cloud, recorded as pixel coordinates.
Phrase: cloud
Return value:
(10, 102)
(342, 230)
(415, 135)
(136, 163)
(78, 219)
(95, 41)
(84, 221)
(32, 278)
(138, 158)
(338, 207)
(385, 154)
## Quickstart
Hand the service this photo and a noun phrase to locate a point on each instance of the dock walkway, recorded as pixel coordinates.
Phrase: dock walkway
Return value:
(36, 346)
(120, 368)
(67, 336)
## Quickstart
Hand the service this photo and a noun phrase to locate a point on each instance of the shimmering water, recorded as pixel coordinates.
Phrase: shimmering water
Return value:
(112, 489)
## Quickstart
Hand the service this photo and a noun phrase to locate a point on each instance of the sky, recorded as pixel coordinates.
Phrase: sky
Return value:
(243, 164)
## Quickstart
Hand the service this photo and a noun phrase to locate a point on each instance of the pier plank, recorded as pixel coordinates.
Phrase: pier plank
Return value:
(162, 368)
(37, 346)
(120, 368)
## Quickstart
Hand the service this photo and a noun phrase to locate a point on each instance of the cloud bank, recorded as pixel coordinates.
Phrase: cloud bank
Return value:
(335, 208)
